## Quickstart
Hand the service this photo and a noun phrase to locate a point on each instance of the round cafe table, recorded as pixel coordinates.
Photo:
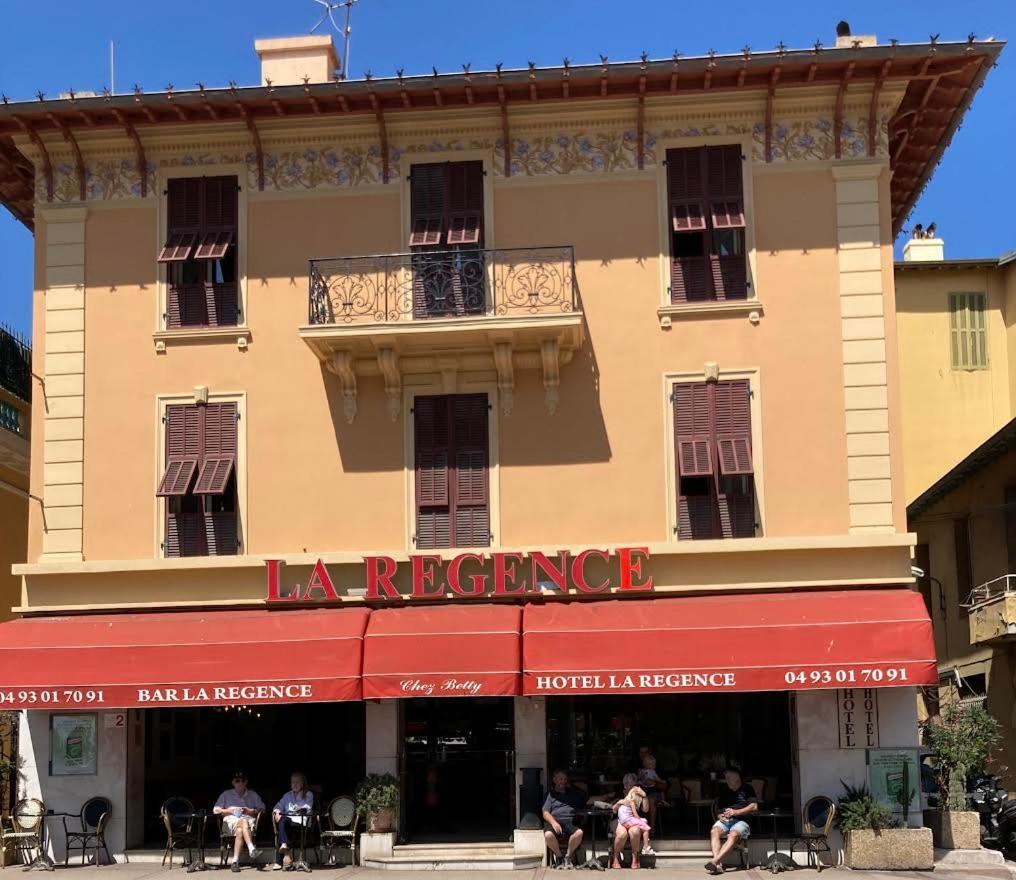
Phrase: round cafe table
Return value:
(777, 861)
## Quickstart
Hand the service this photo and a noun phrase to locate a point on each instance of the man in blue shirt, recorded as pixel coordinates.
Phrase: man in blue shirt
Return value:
(293, 811)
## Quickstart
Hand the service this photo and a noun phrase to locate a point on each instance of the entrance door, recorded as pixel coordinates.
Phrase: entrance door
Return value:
(458, 769)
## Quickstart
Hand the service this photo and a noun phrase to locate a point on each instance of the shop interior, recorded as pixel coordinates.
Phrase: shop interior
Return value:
(692, 737)
(192, 753)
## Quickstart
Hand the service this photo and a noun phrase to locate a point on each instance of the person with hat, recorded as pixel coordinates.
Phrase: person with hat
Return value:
(239, 807)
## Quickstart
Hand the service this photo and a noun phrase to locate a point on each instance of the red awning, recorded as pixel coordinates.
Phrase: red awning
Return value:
(443, 651)
(215, 658)
(786, 641)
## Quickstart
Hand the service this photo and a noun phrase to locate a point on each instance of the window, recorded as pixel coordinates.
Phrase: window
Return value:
(200, 252)
(715, 471)
(199, 483)
(9, 417)
(964, 574)
(968, 333)
(446, 239)
(706, 215)
(451, 470)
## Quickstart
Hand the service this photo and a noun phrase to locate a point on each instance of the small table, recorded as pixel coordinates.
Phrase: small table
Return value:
(202, 817)
(594, 813)
(42, 862)
(301, 864)
(776, 862)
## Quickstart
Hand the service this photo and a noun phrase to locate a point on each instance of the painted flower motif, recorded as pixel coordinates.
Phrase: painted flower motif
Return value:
(270, 160)
(563, 141)
(521, 148)
(781, 132)
(628, 136)
(824, 125)
(585, 145)
(310, 155)
(188, 160)
(806, 141)
(759, 128)
(650, 140)
(546, 156)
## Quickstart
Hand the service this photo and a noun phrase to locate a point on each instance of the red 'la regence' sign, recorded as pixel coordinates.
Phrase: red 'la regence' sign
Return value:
(468, 575)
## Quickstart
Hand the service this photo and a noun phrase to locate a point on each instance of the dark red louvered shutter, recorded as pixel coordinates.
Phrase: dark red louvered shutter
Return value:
(732, 403)
(183, 219)
(725, 196)
(432, 441)
(182, 451)
(184, 442)
(219, 218)
(694, 456)
(219, 456)
(463, 224)
(431, 287)
(469, 483)
(686, 200)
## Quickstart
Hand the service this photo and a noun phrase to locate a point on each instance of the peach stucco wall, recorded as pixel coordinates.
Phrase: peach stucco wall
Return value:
(594, 473)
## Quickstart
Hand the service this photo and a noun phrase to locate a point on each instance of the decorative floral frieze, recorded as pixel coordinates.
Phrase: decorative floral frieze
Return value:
(600, 150)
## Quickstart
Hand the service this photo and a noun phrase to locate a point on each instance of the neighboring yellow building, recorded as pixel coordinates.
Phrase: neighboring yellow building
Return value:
(570, 392)
(15, 431)
(957, 332)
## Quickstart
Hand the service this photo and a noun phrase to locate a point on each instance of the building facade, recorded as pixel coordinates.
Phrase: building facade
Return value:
(15, 430)
(487, 423)
(957, 329)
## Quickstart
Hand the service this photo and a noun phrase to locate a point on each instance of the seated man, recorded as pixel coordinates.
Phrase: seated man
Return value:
(239, 807)
(734, 805)
(559, 814)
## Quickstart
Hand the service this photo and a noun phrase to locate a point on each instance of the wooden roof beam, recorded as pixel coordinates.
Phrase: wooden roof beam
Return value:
(259, 153)
(79, 162)
(838, 112)
(873, 107)
(47, 165)
(915, 117)
(382, 131)
(139, 150)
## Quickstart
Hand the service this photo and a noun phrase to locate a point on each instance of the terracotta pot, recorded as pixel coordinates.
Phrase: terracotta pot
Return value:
(381, 822)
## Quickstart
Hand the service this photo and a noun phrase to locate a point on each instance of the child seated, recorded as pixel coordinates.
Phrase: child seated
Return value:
(650, 779)
(628, 818)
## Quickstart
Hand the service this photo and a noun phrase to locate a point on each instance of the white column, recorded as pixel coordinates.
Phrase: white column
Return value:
(382, 732)
(530, 736)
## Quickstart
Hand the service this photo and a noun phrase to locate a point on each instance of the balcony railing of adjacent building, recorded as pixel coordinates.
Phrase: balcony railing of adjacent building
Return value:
(15, 364)
(457, 283)
(997, 588)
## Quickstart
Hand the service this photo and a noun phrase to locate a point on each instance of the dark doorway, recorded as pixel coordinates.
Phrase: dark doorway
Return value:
(191, 753)
(457, 767)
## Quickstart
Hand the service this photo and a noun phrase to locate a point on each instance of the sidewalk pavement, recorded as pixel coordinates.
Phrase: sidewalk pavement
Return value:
(148, 871)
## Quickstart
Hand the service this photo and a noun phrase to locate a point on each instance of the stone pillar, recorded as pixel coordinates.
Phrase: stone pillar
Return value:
(530, 737)
(382, 731)
(865, 372)
(64, 384)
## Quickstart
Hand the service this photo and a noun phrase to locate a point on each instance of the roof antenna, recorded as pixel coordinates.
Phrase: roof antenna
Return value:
(329, 15)
(112, 69)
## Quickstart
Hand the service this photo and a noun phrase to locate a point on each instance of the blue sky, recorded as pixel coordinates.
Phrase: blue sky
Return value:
(59, 44)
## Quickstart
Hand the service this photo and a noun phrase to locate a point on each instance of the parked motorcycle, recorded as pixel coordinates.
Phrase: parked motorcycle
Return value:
(997, 813)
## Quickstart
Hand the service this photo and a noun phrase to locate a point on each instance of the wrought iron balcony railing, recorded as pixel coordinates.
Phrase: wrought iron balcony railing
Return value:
(15, 364)
(426, 284)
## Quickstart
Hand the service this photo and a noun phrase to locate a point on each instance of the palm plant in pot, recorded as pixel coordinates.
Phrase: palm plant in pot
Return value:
(963, 739)
(377, 798)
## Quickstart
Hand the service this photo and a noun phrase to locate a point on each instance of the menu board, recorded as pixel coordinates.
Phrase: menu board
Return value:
(894, 776)
(73, 744)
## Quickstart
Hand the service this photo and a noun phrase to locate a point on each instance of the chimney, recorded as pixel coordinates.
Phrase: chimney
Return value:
(924, 250)
(287, 60)
(846, 40)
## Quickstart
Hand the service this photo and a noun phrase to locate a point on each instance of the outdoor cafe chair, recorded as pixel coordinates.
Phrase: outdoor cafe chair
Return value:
(226, 836)
(341, 820)
(817, 820)
(178, 819)
(23, 829)
(93, 818)
(758, 783)
(692, 792)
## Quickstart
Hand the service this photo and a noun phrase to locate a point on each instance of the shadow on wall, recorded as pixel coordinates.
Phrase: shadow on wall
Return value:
(529, 437)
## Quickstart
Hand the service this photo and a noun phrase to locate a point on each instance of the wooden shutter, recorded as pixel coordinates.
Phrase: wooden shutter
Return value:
(427, 204)
(183, 219)
(219, 455)
(470, 502)
(725, 196)
(219, 219)
(431, 426)
(692, 431)
(732, 421)
(686, 197)
(183, 450)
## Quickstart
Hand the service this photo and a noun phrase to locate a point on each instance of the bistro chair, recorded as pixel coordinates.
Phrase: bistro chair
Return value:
(817, 819)
(742, 844)
(177, 818)
(311, 840)
(93, 818)
(226, 836)
(341, 820)
(761, 789)
(23, 829)
(692, 791)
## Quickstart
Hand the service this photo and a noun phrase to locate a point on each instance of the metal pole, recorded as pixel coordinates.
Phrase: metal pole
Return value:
(112, 70)
(346, 30)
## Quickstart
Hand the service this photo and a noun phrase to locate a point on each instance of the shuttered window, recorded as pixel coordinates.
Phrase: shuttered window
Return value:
(706, 214)
(713, 455)
(200, 252)
(452, 482)
(968, 332)
(199, 483)
(446, 238)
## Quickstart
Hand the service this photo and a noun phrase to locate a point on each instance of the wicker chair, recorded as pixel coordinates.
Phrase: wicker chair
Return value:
(817, 820)
(23, 829)
(226, 836)
(341, 825)
(177, 819)
(93, 818)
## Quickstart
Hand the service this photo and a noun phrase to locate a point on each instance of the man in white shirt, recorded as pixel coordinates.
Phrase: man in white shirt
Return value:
(239, 807)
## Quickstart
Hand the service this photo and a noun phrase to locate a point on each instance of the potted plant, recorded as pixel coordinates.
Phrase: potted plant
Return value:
(377, 798)
(873, 837)
(963, 740)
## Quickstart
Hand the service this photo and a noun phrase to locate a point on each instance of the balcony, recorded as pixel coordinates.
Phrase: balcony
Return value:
(992, 611)
(15, 393)
(444, 312)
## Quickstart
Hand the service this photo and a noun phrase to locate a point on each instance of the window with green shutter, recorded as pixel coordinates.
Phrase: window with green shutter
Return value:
(968, 334)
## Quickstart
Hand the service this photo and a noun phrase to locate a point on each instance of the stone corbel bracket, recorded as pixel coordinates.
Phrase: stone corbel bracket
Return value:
(388, 363)
(505, 375)
(550, 357)
(341, 365)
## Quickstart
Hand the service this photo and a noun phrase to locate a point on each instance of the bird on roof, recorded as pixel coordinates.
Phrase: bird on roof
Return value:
(918, 230)
(930, 231)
